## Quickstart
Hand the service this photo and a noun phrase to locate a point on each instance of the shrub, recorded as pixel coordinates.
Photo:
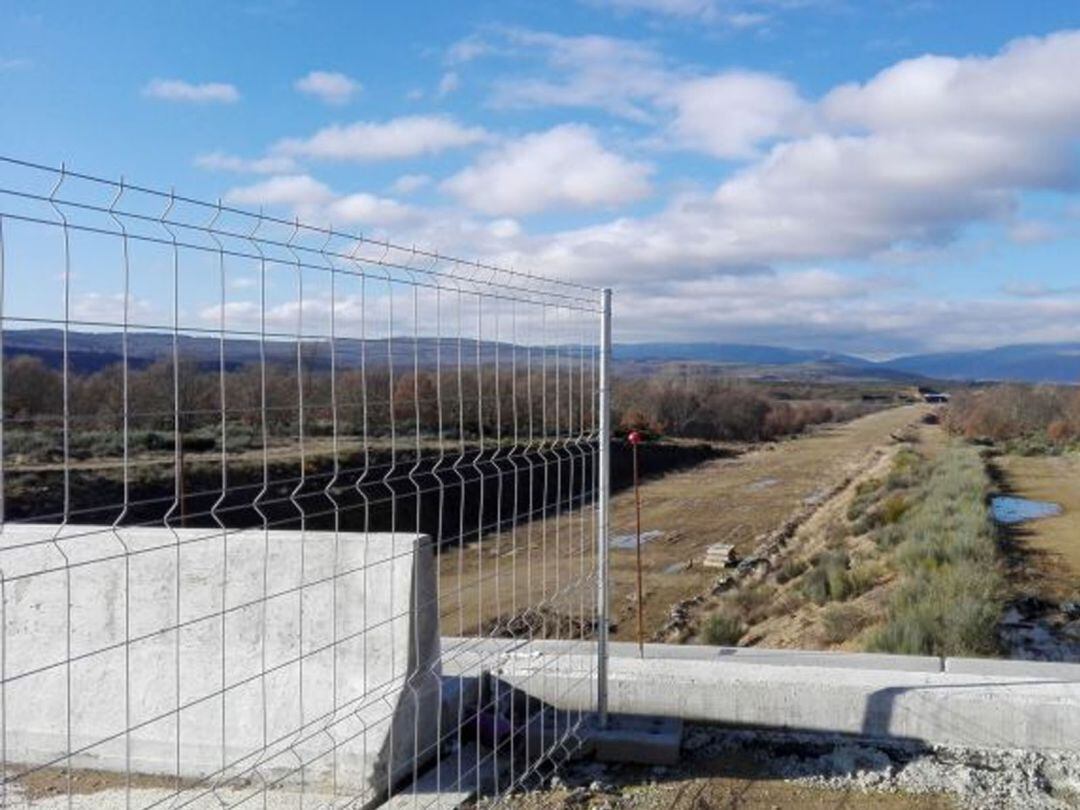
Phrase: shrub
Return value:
(786, 604)
(831, 578)
(893, 509)
(888, 537)
(752, 603)
(827, 578)
(866, 494)
(792, 569)
(842, 622)
(723, 630)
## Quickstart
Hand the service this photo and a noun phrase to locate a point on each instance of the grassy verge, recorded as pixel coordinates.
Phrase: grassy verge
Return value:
(948, 600)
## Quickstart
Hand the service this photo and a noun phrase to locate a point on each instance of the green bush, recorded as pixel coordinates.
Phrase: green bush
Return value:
(865, 496)
(908, 470)
(792, 569)
(888, 537)
(827, 579)
(723, 629)
(831, 578)
(893, 509)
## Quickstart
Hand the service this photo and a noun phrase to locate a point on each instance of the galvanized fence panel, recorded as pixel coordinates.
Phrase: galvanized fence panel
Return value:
(271, 492)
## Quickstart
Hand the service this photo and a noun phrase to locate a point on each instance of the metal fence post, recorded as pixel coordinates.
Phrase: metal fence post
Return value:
(602, 512)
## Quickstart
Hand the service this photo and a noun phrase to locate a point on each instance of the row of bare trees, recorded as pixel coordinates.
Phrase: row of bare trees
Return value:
(372, 400)
(459, 403)
(1014, 411)
(717, 409)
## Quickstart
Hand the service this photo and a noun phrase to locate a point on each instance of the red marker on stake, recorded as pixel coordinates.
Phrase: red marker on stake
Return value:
(635, 439)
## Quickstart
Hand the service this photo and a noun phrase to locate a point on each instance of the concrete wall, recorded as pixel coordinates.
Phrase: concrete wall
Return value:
(970, 702)
(202, 653)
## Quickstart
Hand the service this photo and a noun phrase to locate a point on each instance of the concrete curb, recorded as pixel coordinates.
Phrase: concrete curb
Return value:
(964, 702)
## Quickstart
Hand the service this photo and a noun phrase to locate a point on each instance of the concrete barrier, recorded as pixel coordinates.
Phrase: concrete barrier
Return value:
(209, 654)
(994, 704)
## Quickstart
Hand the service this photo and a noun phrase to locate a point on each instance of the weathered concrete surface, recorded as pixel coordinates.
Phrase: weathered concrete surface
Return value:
(872, 696)
(1031, 670)
(214, 654)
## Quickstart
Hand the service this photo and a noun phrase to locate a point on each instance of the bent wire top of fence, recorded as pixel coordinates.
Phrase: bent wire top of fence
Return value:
(127, 205)
(278, 504)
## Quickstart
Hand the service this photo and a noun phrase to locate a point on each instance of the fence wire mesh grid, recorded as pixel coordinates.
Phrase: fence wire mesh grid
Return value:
(269, 494)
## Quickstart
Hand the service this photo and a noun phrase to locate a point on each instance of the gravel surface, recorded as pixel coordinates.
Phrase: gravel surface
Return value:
(762, 769)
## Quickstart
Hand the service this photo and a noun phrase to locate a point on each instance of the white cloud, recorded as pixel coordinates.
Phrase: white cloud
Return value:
(408, 136)
(297, 190)
(109, 307)
(893, 167)
(408, 183)
(733, 13)
(179, 90)
(368, 209)
(855, 317)
(686, 9)
(315, 202)
(221, 161)
(1031, 232)
(616, 75)
(1031, 83)
(896, 162)
(729, 114)
(331, 88)
(14, 63)
(564, 166)
(449, 83)
(722, 114)
(466, 50)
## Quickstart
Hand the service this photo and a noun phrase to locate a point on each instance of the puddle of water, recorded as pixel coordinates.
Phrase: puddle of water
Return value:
(1009, 510)
(629, 541)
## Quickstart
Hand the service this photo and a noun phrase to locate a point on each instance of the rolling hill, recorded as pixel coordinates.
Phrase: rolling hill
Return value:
(92, 351)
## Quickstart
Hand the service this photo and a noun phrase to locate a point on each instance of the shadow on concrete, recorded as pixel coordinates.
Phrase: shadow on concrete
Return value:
(882, 709)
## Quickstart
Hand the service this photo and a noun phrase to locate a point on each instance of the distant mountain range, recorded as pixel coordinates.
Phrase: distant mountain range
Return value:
(91, 351)
(735, 353)
(1026, 363)
(1035, 362)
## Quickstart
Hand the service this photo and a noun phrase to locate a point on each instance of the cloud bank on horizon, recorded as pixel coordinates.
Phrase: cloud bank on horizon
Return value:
(726, 192)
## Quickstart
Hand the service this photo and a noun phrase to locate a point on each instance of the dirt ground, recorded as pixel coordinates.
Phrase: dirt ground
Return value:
(547, 562)
(1051, 544)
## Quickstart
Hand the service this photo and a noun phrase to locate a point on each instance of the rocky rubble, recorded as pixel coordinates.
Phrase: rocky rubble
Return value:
(976, 779)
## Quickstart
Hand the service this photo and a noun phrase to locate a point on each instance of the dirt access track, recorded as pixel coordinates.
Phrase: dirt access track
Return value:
(733, 500)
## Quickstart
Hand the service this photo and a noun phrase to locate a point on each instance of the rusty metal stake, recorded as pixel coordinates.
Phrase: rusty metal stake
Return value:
(635, 440)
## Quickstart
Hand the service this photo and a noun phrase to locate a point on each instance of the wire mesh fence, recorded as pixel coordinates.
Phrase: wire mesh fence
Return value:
(269, 493)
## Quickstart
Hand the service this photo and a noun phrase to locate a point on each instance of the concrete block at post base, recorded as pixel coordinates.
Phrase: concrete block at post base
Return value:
(641, 740)
(336, 635)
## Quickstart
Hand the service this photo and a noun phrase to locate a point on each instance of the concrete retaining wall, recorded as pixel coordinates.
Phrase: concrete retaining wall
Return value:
(968, 702)
(201, 654)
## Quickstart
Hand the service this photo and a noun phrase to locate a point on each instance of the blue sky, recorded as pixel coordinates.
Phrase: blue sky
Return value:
(868, 177)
